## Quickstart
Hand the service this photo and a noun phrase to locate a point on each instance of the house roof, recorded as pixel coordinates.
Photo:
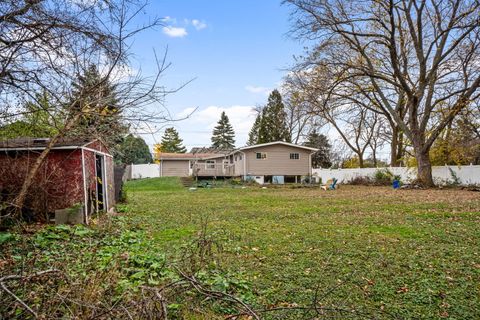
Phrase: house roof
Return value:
(210, 150)
(214, 155)
(182, 156)
(274, 143)
(41, 143)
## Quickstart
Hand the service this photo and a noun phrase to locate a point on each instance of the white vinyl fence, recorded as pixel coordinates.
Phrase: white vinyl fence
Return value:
(441, 175)
(140, 171)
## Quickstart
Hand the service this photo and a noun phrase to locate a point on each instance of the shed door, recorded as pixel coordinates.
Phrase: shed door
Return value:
(100, 166)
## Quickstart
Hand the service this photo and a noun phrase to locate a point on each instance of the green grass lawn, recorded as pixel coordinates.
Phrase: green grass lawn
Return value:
(358, 252)
(389, 253)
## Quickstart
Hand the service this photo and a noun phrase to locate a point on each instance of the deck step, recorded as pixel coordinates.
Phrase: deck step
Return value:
(186, 181)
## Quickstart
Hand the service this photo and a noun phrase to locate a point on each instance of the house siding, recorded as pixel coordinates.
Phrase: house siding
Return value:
(175, 168)
(278, 161)
(201, 170)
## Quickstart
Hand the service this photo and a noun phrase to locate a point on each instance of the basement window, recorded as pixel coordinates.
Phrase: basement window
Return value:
(294, 156)
(261, 155)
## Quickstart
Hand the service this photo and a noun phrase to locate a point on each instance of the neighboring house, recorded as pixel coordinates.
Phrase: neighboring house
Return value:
(179, 164)
(274, 162)
(74, 173)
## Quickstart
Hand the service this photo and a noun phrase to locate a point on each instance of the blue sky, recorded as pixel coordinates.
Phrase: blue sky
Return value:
(236, 52)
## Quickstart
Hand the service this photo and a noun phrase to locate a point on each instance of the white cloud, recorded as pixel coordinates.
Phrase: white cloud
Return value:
(170, 20)
(257, 89)
(197, 129)
(178, 29)
(174, 32)
(199, 25)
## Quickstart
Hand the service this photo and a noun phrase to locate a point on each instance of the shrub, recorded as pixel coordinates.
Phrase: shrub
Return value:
(236, 181)
(360, 180)
(455, 181)
(383, 177)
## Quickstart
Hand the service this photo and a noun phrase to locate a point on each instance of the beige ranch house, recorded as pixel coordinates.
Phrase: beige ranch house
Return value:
(275, 162)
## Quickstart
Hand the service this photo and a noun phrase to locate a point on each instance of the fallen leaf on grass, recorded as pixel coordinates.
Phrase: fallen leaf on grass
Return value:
(403, 289)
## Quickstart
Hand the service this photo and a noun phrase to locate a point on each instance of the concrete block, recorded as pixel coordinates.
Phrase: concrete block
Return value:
(72, 215)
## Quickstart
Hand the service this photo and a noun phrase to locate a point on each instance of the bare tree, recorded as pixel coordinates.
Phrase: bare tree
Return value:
(353, 117)
(45, 45)
(423, 54)
(301, 119)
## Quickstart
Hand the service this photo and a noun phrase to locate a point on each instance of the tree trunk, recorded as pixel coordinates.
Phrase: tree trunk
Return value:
(360, 160)
(400, 150)
(396, 147)
(424, 167)
(22, 195)
(393, 148)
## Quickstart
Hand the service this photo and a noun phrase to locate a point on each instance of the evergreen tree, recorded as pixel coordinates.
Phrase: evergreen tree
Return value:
(133, 150)
(322, 158)
(223, 136)
(253, 134)
(38, 121)
(171, 142)
(273, 124)
(95, 97)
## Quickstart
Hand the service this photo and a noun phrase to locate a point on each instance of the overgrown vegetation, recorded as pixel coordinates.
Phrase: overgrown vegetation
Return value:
(357, 252)
(381, 177)
(112, 269)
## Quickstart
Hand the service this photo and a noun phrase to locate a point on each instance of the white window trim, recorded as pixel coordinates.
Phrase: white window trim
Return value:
(293, 153)
(261, 157)
(210, 162)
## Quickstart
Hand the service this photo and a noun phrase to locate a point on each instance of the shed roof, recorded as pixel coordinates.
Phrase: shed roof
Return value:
(25, 144)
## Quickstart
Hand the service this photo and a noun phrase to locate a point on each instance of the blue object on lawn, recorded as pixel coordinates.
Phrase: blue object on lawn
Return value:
(396, 184)
(331, 185)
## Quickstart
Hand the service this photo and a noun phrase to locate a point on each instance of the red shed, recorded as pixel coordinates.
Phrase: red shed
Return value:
(75, 173)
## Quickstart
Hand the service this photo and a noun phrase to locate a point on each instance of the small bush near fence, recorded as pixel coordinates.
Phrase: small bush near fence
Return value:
(381, 177)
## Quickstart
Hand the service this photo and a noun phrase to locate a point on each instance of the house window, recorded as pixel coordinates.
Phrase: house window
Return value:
(261, 155)
(210, 164)
(225, 164)
(294, 156)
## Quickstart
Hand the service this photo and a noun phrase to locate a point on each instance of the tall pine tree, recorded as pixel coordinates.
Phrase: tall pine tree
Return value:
(322, 158)
(223, 136)
(171, 142)
(273, 124)
(94, 96)
(253, 134)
